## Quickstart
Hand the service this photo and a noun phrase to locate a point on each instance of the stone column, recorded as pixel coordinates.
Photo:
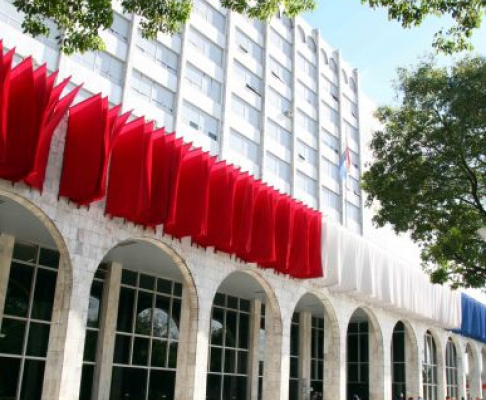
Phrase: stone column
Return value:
(305, 347)
(254, 359)
(413, 368)
(376, 363)
(107, 333)
(474, 375)
(6, 250)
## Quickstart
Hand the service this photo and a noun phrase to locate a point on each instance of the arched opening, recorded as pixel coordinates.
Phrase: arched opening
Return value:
(404, 360)
(364, 372)
(430, 368)
(34, 270)
(142, 305)
(311, 44)
(325, 59)
(242, 362)
(345, 77)
(452, 370)
(313, 337)
(472, 373)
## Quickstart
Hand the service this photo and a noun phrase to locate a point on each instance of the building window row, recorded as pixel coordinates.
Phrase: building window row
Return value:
(153, 92)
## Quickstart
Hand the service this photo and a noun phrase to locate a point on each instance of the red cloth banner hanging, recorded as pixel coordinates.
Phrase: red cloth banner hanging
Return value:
(5, 70)
(31, 109)
(130, 175)
(91, 134)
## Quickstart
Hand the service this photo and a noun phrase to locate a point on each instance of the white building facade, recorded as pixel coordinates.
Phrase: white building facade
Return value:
(98, 308)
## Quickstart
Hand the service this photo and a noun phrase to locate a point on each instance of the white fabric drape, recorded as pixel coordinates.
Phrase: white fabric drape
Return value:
(355, 266)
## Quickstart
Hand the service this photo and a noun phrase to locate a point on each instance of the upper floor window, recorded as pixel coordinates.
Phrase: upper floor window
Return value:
(279, 169)
(345, 77)
(307, 123)
(306, 67)
(331, 115)
(250, 80)
(246, 111)
(206, 46)
(280, 72)
(153, 92)
(325, 58)
(279, 135)
(330, 141)
(210, 14)
(352, 84)
(331, 204)
(280, 102)
(306, 153)
(104, 64)
(306, 94)
(203, 82)
(301, 34)
(201, 121)
(120, 27)
(245, 147)
(158, 52)
(280, 42)
(333, 65)
(311, 44)
(306, 184)
(248, 46)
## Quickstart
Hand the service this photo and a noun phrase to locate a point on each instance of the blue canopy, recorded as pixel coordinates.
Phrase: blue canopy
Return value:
(473, 318)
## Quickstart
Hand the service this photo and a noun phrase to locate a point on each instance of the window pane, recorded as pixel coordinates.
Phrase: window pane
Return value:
(18, 291)
(86, 382)
(159, 353)
(122, 349)
(162, 385)
(214, 387)
(9, 375)
(32, 380)
(90, 346)
(49, 258)
(140, 351)
(128, 383)
(125, 310)
(13, 339)
(45, 288)
(161, 317)
(144, 314)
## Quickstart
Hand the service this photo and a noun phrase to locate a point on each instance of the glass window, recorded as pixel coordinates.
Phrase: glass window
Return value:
(330, 169)
(331, 204)
(246, 45)
(306, 184)
(330, 141)
(429, 368)
(294, 357)
(203, 82)
(120, 27)
(280, 136)
(451, 370)
(210, 14)
(279, 169)
(27, 321)
(399, 390)
(229, 360)
(205, 46)
(200, 121)
(158, 53)
(280, 102)
(245, 147)
(104, 64)
(317, 356)
(306, 153)
(353, 217)
(354, 189)
(306, 94)
(358, 359)
(249, 79)
(280, 42)
(246, 111)
(152, 92)
(280, 72)
(306, 67)
(352, 134)
(307, 123)
(331, 115)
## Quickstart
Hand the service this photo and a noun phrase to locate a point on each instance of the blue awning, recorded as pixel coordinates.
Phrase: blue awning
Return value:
(473, 319)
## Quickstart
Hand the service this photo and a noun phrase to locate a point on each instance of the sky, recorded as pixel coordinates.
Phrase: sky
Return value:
(377, 46)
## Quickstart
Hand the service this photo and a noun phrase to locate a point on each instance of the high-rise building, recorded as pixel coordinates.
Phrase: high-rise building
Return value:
(100, 307)
(274, 99)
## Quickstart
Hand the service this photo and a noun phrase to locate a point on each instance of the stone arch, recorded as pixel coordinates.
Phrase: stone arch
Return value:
(332, 341)
(376, 347)
(412, 362)
(474, 369)
(25, 220)
(160, 260)
(460, 366)
(440, 351)
(250, 283)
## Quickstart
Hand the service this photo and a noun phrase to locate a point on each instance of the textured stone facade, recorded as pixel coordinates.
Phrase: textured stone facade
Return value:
(84, 236)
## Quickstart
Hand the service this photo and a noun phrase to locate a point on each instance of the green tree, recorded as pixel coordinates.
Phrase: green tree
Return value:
(80, 21)
(466, 14)
(429, 173)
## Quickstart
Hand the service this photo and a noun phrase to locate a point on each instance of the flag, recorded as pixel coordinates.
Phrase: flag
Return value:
(345, 163)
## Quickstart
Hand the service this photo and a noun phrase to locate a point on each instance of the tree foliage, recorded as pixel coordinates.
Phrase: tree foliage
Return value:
(429, 173)
(466, 14)
(80, 21)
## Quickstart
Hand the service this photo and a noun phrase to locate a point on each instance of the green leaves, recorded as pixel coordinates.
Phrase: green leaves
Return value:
(80, 21)
(429, 173)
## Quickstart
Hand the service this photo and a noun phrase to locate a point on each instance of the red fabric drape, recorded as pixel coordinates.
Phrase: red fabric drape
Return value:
(5, 71)
(130, 174)
(91, 134)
